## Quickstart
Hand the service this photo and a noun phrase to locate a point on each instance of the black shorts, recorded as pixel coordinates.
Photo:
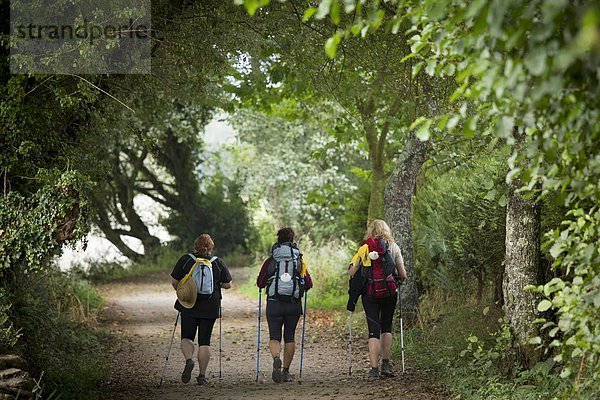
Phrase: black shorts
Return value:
(283, 314)
(379, 313)
(204, 327)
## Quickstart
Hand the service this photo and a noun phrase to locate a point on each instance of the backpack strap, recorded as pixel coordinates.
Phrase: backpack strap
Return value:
(187, 276)
(295, 273)
(212, 260)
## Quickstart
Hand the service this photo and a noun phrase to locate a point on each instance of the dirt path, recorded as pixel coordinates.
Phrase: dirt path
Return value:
(140, 317)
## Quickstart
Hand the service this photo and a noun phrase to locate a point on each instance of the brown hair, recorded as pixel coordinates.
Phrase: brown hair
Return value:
(285, 235)
(204, 244)
(379, 229)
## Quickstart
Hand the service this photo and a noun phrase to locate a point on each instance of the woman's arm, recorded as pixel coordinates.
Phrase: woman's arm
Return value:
(399, 262)
(226, 285)
(352, 268)
(261, 279)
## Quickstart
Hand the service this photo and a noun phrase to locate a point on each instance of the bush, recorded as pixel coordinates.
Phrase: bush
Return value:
(472, 353)
(162, 259)
(327, 264)
(52, 312)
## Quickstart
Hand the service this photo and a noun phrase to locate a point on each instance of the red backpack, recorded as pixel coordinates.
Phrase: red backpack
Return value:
(381, 276)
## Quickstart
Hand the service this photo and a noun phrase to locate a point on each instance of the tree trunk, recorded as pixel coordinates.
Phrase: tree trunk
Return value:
(521, 269)
(104, 223)
(115, 204)
(377, 191)
(398, 212)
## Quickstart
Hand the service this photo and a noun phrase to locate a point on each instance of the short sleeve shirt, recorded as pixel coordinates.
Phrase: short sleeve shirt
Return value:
(205, 306)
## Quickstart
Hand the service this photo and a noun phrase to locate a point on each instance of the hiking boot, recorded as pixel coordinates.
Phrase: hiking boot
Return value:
(374, 374)
(387, 369)
(276, 375)
(186, 375)
(201, 380)
(286, 377)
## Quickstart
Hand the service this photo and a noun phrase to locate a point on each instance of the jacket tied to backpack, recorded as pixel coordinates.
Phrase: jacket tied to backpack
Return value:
(376, 276)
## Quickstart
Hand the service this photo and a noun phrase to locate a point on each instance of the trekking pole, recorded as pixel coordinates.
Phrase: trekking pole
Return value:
(220, 336)
(258, 335)
(169, 352)
(303, 331)
(401, 328)
(350, 344)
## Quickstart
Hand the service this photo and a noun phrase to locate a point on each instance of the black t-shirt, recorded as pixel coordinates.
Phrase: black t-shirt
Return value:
(205, 306)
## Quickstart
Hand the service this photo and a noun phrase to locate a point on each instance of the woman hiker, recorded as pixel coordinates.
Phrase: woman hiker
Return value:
(199, 308)
(286, 278)
(380, 264)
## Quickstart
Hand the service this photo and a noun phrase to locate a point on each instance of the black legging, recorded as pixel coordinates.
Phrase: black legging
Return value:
(379, 313)
(204, 326)
(283, 314)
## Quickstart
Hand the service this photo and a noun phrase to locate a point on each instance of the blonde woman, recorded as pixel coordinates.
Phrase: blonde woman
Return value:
(380, 263)
(200, 314)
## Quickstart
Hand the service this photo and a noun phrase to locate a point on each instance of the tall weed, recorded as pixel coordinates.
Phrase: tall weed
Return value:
(54, 313)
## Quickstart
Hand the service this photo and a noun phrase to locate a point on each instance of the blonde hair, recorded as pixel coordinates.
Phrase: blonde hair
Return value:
(379, 229)
(204, 244)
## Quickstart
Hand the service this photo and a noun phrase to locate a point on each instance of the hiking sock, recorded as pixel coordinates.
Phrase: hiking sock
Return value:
(286, 370)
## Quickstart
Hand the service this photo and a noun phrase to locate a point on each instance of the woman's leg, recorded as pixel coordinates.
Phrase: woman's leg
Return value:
(372, 312)
(387, 316)
(386, 345)
(205, 329)
(188, 334)
(275, 322)
(274, 347)
(291, 318)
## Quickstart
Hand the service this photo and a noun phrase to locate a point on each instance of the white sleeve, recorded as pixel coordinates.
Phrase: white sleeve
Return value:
(397, 254)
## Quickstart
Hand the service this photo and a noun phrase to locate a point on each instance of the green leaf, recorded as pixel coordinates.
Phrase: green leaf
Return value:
(544, 305)
(423, 132)
(556, 249)
(535, 61)
(332, 44)
(253, 5)
(486, 311)
(417, 122)
(535, 340)
(308, 13)
(324, 8)
(502, 201)
(335, 13)
(349, 5)
(430, 69)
